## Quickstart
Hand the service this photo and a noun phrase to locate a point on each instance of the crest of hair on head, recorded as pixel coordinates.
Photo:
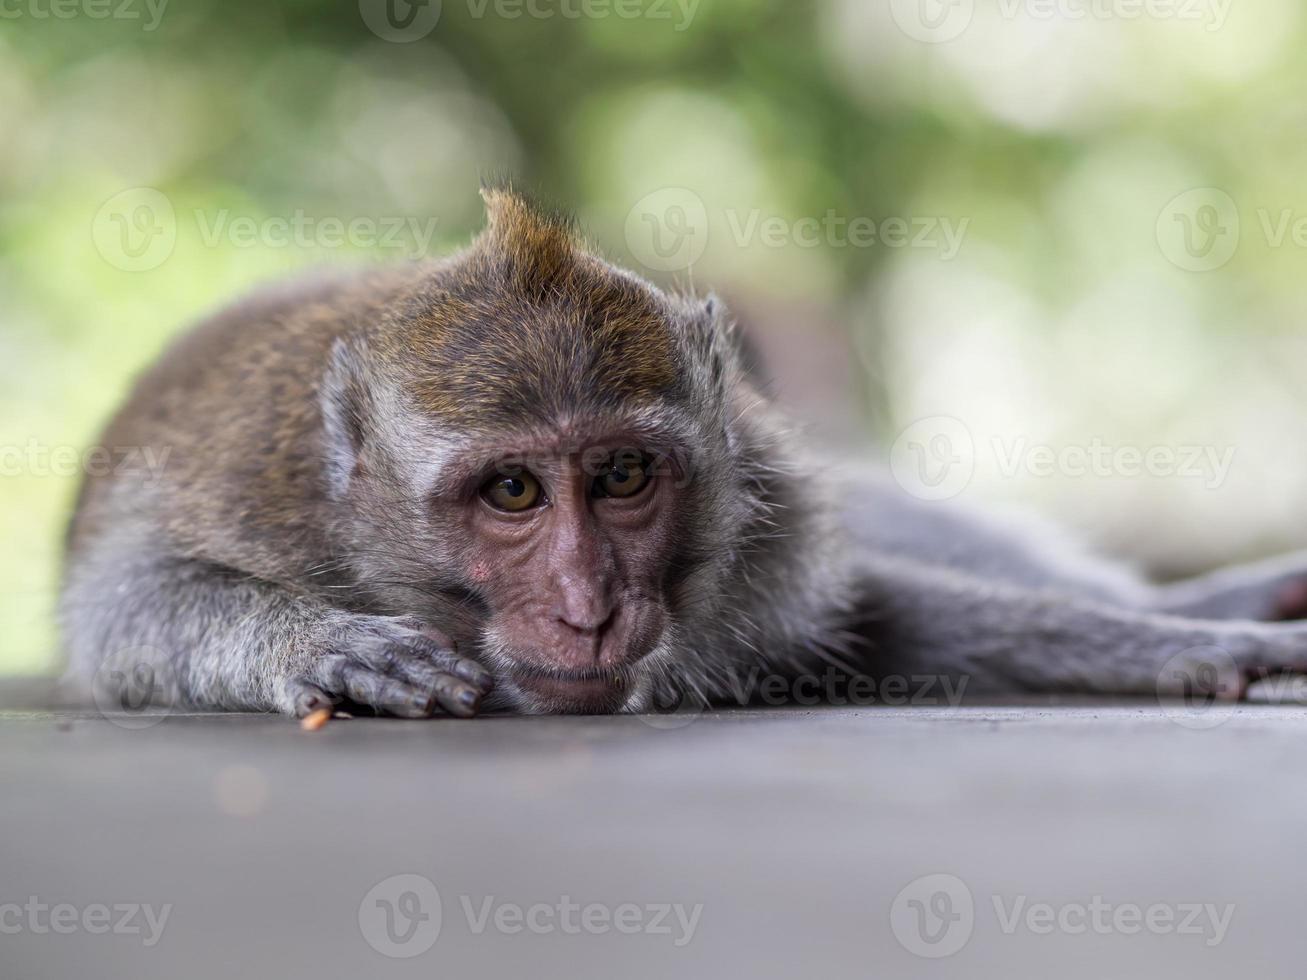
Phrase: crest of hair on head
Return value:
(536, 249)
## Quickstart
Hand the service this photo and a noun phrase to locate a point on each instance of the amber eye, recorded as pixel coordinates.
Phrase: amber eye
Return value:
(512, 493)
(625, 475)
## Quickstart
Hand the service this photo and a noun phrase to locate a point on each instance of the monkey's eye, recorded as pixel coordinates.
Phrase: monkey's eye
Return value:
(625, 475)
(512, 493)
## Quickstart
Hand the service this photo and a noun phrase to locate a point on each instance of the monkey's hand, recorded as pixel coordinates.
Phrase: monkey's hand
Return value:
(394, 665)
(1271, 589)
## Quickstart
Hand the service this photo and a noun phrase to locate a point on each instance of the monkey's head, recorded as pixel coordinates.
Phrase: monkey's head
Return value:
(552, 460)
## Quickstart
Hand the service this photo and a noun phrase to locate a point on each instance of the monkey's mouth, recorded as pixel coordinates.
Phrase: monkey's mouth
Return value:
(591, 691)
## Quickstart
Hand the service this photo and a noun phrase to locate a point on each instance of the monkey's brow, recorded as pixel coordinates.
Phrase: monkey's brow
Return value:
(471, 464)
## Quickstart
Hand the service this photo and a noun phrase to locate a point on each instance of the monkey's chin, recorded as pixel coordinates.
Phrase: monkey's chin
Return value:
(572, 695)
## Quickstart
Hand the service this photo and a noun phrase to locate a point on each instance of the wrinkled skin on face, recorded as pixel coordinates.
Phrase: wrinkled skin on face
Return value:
(575, 578)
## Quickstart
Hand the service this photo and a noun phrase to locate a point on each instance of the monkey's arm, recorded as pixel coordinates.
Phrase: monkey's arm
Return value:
(211, 637)
(923, 618)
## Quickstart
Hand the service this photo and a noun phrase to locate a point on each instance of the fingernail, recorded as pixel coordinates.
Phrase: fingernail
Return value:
(468, 697)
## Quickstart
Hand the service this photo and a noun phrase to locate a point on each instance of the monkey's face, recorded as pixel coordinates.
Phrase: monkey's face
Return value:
(570, 552)
(544, 457)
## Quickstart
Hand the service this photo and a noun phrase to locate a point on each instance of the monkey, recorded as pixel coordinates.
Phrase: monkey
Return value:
(522, 479)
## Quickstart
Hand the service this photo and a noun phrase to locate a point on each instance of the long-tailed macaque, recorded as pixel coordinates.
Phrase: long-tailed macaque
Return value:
(523, 479)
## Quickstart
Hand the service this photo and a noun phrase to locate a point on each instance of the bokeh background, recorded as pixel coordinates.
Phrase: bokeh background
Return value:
(1037, 223)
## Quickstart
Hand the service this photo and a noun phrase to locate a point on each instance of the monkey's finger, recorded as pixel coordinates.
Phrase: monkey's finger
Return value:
(451, 691)
(455, 695)
(473, 673)
(444, 659)
(404, 651)
(306, 697)
(363, 685)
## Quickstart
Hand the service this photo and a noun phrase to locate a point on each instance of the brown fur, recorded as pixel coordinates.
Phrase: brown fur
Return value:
(528, 323)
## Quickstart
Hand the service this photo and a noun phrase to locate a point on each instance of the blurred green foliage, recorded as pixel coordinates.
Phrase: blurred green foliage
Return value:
(1056, 143)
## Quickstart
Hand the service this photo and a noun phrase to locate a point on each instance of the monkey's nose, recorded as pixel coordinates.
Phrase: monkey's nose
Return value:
(590, 623)
(584, 605)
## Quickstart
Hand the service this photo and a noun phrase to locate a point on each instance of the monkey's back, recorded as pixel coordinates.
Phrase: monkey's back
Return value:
(230, 413)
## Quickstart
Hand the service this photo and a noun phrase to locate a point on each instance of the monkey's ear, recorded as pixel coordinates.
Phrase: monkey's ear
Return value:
(732, 343)
(340, 400)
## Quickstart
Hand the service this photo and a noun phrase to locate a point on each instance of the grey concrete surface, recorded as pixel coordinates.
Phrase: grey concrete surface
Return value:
(798, 833)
